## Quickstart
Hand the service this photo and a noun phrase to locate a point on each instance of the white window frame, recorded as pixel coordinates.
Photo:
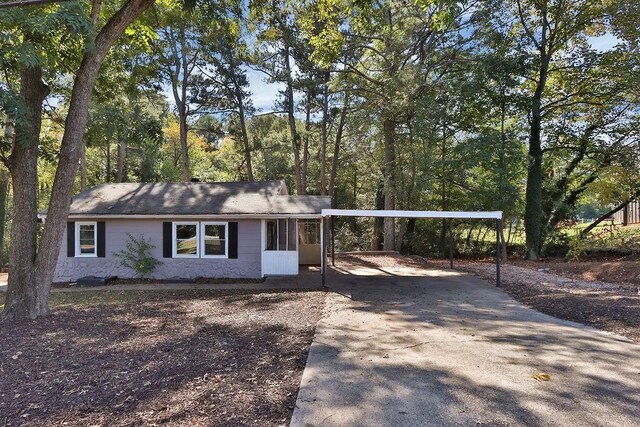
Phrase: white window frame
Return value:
(79, 253)
(174, 245)
(204, 237)
(286, 246)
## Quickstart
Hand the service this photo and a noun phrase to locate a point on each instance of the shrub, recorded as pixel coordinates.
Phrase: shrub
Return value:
(136, 256)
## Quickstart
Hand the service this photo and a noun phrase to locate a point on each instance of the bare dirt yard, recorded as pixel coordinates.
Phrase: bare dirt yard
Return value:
(196, 358)
(581, 291)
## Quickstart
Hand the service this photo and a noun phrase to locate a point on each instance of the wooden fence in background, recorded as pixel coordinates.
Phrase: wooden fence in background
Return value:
(630, 214)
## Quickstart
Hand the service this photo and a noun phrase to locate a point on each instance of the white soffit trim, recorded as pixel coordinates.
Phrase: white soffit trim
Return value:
(187, 217)
(412, 214)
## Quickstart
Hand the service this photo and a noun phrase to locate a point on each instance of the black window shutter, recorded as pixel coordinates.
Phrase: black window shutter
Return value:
(233, 240)
(101, 239)
(167, 231)
(71, 239)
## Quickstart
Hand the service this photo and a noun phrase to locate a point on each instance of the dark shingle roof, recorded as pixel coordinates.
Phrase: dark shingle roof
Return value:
(201, 198)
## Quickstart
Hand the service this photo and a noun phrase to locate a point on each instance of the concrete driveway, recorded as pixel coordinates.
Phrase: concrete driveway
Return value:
(413, 347)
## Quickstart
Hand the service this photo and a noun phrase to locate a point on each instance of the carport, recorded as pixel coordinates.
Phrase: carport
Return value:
(450, 215)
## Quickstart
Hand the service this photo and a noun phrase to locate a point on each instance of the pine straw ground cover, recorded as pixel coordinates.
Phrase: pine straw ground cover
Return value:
(613, 307)
(197, 358)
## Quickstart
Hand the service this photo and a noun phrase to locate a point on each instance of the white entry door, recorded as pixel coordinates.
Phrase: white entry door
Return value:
(279, 247)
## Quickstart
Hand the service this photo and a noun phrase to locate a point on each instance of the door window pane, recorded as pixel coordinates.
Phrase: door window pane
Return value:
(272, 236)
(310, 233)
(282, 234)
(292, 235)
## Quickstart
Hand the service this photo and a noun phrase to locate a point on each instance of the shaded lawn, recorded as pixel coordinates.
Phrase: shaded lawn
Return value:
(144, 358)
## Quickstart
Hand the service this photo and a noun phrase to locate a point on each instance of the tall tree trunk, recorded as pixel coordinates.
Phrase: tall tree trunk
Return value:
(184, 146)
(410, 233)
(295, 136)
(23, 298)
(378, 223)
(533, 198)
(307, 134)
(323, 146)
(245, 135)
(389, 170)
(32, 269)
(533, 215)
(533, 204)
(122, 157)
(107, 171)
(336, 151)
(443, 190)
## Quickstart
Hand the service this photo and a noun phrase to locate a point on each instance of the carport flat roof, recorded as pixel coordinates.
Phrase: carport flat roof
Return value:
(413, 214)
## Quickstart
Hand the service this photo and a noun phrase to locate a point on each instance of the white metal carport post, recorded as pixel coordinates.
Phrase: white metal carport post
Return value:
(497, 215)
(323, 237)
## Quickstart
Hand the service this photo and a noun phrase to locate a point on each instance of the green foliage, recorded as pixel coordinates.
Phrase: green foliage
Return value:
(455, 78)
(136, 256)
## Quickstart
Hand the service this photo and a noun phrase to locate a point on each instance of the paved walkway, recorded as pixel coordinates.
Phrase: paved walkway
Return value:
(414, 347)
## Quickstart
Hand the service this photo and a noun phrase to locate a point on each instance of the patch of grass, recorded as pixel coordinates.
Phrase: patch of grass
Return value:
(609, 237)
(89, 298)
(93, 298)
(61, 299)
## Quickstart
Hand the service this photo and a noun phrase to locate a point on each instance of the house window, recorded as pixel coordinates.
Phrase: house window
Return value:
(86, 238)
(215, 240)
(185, 239)
(310, 233)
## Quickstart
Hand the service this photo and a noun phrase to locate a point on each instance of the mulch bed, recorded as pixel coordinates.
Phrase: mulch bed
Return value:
(197, 358)
(609, 305)
(622, 270)
(613, 311)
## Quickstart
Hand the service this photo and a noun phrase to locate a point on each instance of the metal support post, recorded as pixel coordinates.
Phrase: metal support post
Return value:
(450, 245)
(324, 251)
(498, 251)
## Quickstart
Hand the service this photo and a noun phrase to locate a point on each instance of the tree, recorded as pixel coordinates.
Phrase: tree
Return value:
(32, 262)
(277, 35)
(222, 87)
(392, 49)
(550, 30)
(179, 48)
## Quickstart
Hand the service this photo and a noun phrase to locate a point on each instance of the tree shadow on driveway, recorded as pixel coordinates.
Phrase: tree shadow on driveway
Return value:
(454, 350)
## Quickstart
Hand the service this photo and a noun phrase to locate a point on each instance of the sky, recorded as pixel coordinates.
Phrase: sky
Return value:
(604, 43)
(263, 94)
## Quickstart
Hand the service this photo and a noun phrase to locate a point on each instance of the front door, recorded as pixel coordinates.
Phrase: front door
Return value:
(279, 247)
